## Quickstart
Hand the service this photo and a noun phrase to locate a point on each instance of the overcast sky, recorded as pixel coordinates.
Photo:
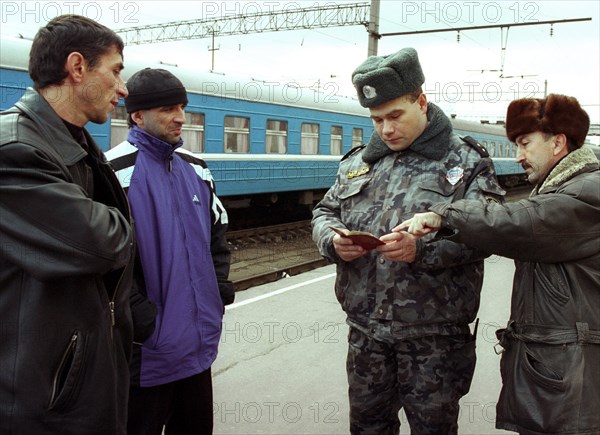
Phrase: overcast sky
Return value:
(457, 73)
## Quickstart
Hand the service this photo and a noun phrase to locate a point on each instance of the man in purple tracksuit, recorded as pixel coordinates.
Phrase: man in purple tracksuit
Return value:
(182, 264)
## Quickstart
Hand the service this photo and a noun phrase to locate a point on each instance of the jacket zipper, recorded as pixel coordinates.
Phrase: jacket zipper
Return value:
(61, 367)
(178, 214)
(111, 304)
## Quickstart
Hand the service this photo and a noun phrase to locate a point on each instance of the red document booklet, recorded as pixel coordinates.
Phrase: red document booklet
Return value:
(362, 238)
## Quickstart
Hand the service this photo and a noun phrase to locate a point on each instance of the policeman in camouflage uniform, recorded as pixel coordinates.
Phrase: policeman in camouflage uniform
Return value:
(551, 346)
(409, 302)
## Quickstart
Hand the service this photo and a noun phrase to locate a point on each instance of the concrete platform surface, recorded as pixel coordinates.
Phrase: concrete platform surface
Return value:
(281, 363)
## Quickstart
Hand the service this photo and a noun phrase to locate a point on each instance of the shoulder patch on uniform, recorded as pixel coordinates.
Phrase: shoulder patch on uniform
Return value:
(474, 144)
(352, 151)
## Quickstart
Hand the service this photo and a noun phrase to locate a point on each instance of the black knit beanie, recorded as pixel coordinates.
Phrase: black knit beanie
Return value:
(149, 88)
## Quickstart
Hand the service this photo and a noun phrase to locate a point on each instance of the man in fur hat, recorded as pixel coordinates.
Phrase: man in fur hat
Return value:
(409, 304)
(551, 346)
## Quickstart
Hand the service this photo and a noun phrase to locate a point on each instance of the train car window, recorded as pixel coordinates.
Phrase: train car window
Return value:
(237, 134)
(309, 141)
(118, 126)
(193, 132)
(276, 142)
(336, 140)
(357, 137)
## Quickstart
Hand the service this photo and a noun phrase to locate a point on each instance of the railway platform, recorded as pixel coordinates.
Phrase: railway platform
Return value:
(281, 363)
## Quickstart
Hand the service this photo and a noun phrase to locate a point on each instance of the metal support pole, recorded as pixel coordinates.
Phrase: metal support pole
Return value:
(213, 51)
(373, 28)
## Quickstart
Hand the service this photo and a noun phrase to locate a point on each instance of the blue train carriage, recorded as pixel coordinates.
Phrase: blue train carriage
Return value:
(265, 142)
(276, 143)
(269, 143)
(14, 79)
(501, 150)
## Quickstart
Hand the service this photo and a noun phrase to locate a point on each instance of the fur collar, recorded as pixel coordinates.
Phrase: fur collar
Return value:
(429, 144)
(572, 164)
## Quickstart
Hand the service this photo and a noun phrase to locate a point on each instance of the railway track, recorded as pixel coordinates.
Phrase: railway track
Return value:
(267, 254)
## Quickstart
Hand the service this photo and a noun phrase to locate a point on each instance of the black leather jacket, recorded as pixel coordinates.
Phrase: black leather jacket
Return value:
(65, 275)
(550, 365)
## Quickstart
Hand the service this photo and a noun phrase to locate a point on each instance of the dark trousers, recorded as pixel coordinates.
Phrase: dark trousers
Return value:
(182, 407)
(426, 376)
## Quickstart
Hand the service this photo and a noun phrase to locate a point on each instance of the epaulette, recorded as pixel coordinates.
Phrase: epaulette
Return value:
(352, 151)
(480, 148)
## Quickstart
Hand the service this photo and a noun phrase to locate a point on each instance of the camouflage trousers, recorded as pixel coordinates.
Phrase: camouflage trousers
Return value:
(426, 376)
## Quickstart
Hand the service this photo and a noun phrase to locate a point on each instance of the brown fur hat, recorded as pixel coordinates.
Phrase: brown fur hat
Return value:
(555, 114)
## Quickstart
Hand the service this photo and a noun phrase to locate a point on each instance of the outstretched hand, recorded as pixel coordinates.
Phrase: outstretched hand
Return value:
(421, 224)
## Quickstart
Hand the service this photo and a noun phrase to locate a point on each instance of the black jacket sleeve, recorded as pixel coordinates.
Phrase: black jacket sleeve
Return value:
(49, 226)
(221, 256)
(143, 311)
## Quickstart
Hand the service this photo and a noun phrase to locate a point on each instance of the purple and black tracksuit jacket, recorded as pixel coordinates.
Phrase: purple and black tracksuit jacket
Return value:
(183, 255)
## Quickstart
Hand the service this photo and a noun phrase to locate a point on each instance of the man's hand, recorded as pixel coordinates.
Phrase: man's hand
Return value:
(421, 224)
(399, 246)
(346, 249)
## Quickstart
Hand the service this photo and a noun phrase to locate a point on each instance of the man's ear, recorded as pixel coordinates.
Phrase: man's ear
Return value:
(422, 102)
(560, 145)
(76, 66)
(138, 117)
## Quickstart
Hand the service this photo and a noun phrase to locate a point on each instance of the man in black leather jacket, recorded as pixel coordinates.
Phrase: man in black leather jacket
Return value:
(65, 243)
(551, 347)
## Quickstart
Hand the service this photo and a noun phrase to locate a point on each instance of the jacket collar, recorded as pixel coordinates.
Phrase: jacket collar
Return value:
(428, 144)
(146, 142)
(574, 163)
(52, 127)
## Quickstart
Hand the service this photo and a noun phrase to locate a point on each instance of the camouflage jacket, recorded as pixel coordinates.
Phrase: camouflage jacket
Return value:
(375, 190)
